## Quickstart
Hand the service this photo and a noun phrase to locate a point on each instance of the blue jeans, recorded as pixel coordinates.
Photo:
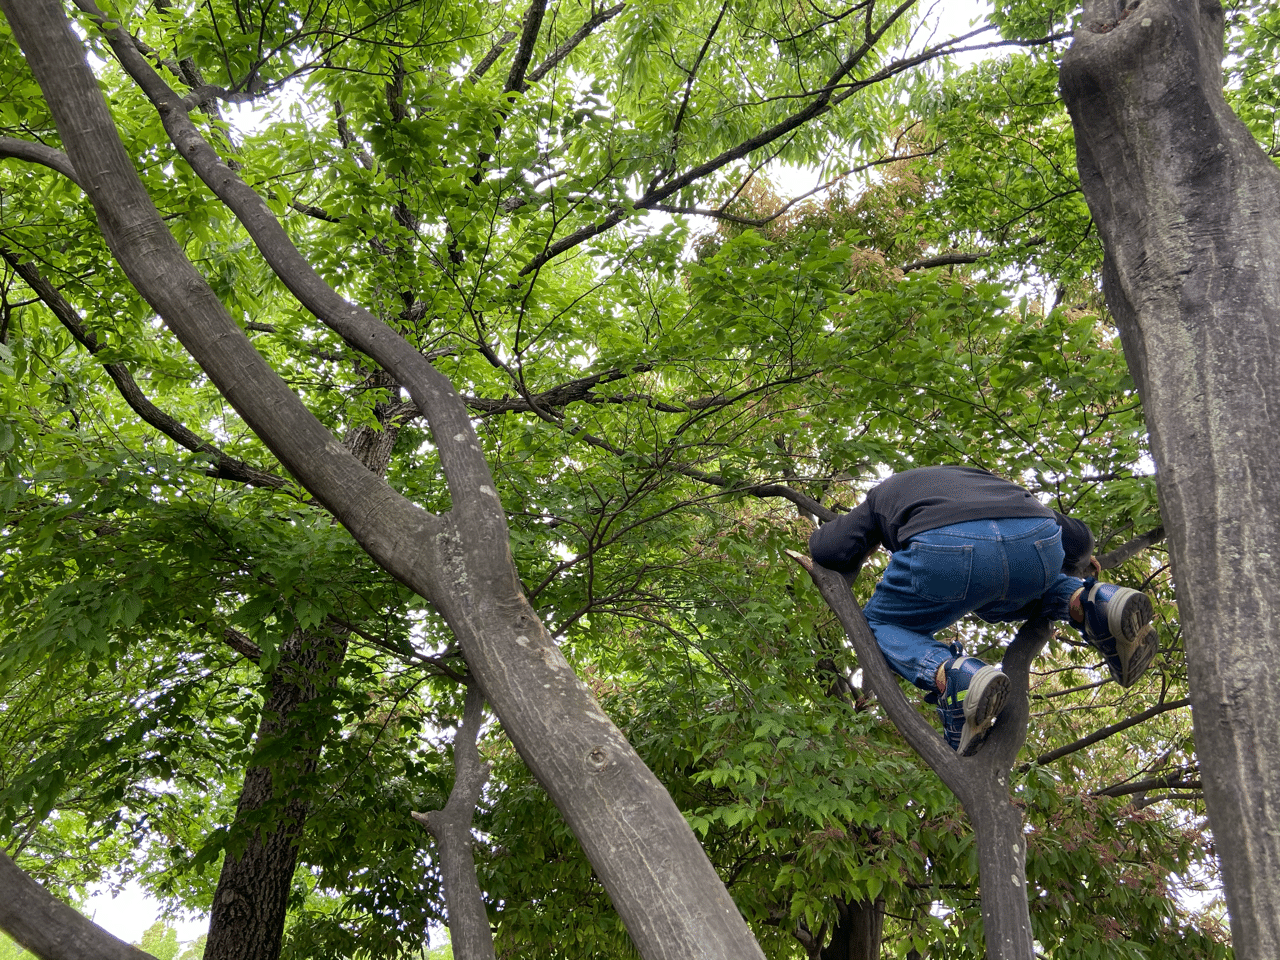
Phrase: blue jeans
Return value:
(993, 568)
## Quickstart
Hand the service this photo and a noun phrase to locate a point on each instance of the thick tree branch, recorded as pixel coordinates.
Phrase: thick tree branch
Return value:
(640, 846)
(48, 927)
(980, 782)
(38, 153)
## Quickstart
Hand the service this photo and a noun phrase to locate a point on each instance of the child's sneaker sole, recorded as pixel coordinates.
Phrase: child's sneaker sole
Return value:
(1128, 611)
(985, 698)
(1134, 657)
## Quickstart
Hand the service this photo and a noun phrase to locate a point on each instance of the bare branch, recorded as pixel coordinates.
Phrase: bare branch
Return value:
(943, 260)
(1178, 780)
(562, 51)
(491, 57)
(1100, 735)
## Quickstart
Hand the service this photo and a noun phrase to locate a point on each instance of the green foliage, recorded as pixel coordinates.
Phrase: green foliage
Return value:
(9, 950)
(638, 396)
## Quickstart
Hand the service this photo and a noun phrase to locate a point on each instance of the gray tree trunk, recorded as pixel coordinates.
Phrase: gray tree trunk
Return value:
(469, 930)
(662, 884)
(980, 782)
(1188, 208)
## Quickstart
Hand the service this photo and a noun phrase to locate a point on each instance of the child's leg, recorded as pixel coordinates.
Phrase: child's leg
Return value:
(904, 621)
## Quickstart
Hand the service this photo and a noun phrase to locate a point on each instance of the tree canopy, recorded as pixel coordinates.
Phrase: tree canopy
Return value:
(674, 366)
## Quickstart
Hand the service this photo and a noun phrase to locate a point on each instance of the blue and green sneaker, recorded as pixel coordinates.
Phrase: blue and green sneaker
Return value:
(1117, 621)
(975, 695)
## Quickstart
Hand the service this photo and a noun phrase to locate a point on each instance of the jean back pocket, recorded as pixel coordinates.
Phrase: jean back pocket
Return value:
(941, 572)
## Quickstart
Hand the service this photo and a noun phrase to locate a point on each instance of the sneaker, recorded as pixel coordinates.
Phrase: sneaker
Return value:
(1117, 621)
(974, 697)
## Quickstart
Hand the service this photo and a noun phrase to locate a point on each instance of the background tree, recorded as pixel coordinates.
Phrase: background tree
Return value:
(1186, 245)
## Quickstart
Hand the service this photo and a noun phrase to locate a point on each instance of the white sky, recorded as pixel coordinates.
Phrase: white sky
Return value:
(129, 914)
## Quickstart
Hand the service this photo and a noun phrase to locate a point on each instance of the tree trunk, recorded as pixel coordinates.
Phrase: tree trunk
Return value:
(1186, 204)
(662, 884)
(857, 933)
(246, 920)
(469, 930)
(980, 782)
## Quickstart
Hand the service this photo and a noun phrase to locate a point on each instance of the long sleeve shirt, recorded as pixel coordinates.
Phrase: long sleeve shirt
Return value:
(914, 501)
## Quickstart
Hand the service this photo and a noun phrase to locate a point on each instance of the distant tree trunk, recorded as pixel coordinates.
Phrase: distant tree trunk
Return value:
(246, 920)
(251, 901)
(1187, 207)
(858, 931)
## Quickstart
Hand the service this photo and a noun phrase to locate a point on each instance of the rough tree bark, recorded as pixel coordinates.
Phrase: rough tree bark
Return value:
(246, 919)
(250, 904)
(980, 782)
(660, 880)
(1185, 202)
(858, 931)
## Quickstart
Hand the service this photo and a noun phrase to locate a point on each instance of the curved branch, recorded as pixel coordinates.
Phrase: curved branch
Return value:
(879, 679)
(980, 782)
(466, 472)
(223, 466)
(55, 160)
